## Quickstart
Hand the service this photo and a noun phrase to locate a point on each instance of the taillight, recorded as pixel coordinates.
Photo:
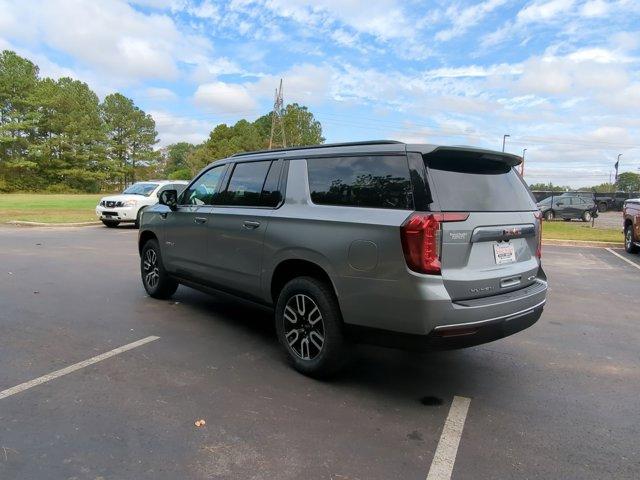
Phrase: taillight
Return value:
(538, 216)
(421, 236)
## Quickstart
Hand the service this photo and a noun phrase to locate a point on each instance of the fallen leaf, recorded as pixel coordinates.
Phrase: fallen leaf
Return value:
(200, 423)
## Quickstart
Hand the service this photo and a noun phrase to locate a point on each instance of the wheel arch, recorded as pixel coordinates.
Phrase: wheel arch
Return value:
(144, 237)
(291, 268)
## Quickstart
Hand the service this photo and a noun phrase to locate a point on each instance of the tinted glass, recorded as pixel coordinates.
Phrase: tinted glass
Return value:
(375, 181)
(245, 186)
(270, 192)
(477, 185)
(203, 190)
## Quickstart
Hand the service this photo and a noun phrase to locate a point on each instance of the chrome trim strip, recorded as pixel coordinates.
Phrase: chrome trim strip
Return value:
(480, 323)
(499, 302)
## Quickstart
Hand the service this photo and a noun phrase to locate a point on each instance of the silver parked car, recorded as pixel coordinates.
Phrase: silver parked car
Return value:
(412, 246)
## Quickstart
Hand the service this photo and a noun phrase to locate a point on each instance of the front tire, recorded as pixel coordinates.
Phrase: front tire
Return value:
(549, 215)
(155, 278)
(628, 240)
(111, 223)
(586, 217)
(309, 327)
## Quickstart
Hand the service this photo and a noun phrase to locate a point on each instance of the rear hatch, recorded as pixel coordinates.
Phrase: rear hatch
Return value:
(495, 249)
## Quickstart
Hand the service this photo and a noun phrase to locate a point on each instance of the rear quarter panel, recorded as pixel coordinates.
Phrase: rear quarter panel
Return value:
(359, 248)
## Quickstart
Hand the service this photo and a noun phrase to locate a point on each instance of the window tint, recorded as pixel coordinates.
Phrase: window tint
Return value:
(245, 185)
(203, 190)
(465, 183)
(371, 181)
(271, 195)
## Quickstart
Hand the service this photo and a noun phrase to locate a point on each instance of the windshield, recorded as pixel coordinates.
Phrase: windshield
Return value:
(144, 189)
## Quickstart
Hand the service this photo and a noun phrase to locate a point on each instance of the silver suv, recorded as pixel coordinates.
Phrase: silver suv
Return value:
(411, 246)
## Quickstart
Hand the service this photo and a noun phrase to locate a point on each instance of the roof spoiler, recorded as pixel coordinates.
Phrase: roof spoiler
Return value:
(478, 154)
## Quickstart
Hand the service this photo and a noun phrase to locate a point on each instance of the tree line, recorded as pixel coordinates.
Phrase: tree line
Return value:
(627, 182)
(183, 160)
(57, 136)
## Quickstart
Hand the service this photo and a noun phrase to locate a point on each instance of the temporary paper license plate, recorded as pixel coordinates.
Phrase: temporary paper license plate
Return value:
(504, 253)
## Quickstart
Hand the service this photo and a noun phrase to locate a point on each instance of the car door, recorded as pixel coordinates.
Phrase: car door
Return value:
(185, 238)
(240, 218)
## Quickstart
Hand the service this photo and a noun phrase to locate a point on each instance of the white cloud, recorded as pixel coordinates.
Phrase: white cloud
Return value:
(462, 19)
(221, 97)
(160, 94)
(541, 11)
(595, 8)
(110, 37)
(173, 128)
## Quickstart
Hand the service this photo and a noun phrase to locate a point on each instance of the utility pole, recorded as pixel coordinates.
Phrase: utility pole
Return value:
(522, 164)
(277, 118)
(617, 164)
(504, 139)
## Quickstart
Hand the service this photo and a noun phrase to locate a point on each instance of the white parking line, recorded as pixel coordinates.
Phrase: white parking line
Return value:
(445, 456)
(72, 368)
(625, 259)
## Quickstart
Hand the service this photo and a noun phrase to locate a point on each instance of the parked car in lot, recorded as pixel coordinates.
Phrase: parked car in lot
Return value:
(128, 206)
(631, 225)
(568, 206)
(412, 246)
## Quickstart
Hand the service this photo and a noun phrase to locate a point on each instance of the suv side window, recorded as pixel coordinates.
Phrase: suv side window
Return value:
(203, 190)
(365, 181)
(246, 184)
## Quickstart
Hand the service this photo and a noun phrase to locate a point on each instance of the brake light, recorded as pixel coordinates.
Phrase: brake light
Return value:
(538, 216)
(421, 236)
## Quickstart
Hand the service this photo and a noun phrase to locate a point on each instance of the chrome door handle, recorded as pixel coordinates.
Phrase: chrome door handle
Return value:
(200, 220)
(249, 225)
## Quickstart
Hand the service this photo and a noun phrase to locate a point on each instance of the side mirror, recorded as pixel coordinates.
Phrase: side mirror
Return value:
(169, 198)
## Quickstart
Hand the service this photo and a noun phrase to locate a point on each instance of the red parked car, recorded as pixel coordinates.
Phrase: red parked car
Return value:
(631, 222)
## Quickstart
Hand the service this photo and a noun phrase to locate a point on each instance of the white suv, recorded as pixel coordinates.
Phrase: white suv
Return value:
(128, 206)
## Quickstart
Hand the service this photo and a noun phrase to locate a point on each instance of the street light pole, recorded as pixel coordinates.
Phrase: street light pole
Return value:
(504, 139)
(522, 166)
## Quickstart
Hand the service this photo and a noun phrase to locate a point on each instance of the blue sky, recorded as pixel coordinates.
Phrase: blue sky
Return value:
(562, 77)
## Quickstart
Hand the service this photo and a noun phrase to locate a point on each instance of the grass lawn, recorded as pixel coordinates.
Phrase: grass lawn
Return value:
(574, 230)
(54, 208)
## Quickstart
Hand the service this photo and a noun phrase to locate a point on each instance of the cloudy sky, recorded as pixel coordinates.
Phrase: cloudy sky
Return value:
(562, 77)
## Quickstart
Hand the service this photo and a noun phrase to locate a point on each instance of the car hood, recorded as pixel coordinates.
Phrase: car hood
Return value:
(124, 197)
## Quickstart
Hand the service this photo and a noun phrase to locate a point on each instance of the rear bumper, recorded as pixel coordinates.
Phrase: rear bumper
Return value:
(453, 336)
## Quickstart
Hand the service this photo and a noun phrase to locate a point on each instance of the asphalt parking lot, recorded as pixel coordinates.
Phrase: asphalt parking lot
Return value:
(559, 400)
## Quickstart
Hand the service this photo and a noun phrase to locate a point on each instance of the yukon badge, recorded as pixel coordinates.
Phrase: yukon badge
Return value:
(458, 235)
(512, 232)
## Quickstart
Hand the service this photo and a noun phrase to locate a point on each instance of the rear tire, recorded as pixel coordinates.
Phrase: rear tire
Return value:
(549, 215)
(628, 240)
(155, 278)
(586, 217)
(111, 223)
(602, 207)
(309, 327)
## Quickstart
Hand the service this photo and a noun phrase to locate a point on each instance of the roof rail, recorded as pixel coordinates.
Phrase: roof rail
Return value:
(324, 145)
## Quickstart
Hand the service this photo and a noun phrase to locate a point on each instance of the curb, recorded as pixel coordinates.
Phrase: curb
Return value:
(20, 223)
(580, 243)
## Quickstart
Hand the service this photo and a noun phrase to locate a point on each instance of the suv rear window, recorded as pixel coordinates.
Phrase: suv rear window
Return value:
(466, 183)
(367, 181)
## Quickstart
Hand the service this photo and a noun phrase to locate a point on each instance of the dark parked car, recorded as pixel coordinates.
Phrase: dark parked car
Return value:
(568, 207)
(415, 246)
(631, 219)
